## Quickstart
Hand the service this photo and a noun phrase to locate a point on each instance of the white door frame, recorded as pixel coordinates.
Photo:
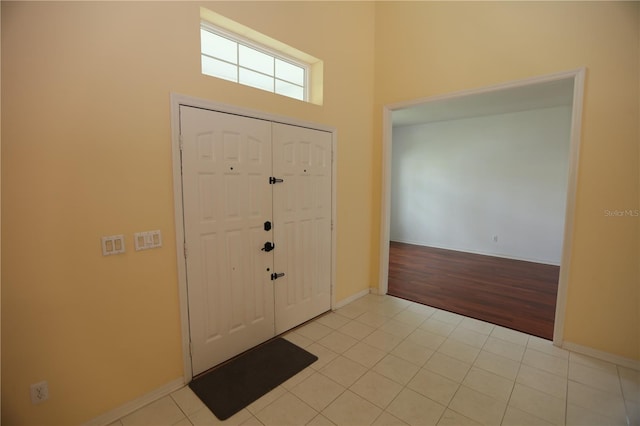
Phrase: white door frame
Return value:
(176, 101)
(578, 76)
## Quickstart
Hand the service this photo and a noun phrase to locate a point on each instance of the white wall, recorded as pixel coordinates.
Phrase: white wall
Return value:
(457, 184)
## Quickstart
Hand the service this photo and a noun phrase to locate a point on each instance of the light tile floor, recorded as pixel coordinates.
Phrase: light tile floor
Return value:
(387, 361)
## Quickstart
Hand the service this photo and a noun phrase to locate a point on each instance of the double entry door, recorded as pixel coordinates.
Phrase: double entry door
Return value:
(257, 226)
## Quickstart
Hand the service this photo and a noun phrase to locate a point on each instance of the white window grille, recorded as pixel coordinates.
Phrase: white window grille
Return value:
(230, 57)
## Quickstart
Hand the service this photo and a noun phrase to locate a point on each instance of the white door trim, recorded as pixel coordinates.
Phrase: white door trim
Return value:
(176, 101)
(578, 76)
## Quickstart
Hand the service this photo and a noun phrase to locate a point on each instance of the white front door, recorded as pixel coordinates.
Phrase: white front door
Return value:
(226, 165)
(302, 223)
(227, 162)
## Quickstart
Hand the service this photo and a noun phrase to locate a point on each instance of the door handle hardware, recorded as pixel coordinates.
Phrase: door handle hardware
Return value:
(268, 246)
(267, 226)
(273, 180)
(275, 276)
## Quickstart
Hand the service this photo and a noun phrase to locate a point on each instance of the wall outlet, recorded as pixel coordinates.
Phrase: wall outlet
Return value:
(39, 392)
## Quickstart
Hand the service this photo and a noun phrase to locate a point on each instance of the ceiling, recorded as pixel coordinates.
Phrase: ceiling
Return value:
(539, 95)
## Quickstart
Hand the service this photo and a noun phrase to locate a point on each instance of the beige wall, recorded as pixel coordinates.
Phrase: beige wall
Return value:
(86, 147)
(431, 48)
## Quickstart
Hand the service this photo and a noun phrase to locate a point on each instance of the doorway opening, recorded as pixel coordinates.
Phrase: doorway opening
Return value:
(545, 92)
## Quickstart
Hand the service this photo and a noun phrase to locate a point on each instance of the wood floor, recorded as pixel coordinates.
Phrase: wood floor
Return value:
(511, 293)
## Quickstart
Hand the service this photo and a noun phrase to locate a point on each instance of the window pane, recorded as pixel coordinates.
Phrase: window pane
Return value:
(290, 90)
(255, 60)
(227, 57)
(219, 47)
(219, 69)
(289, 72)
(254, 79)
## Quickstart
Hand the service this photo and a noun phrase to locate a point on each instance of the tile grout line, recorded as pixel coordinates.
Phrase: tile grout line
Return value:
(404, 386)
(461, 384)
(515, 381)
(627, 409)
(566, 397)
(389, 352)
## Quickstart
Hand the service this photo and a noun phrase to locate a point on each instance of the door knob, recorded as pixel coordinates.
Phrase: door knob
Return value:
(268, 246)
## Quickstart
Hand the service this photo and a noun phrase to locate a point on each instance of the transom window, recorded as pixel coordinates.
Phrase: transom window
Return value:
(228, 56)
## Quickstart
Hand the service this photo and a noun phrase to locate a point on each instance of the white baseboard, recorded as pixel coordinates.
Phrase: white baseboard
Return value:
(376, 291)
(601, 355)
(350, 299)
(131, 406)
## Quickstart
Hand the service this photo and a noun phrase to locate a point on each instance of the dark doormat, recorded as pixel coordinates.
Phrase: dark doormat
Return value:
(236, 384)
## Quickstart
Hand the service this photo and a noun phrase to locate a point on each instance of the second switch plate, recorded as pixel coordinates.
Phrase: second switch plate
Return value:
(147, 240)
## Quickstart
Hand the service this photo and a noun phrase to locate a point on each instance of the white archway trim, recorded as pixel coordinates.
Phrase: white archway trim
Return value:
(578, 76)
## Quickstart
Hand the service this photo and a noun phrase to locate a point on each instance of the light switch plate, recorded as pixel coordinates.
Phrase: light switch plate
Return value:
(112, 244)
(148, 240)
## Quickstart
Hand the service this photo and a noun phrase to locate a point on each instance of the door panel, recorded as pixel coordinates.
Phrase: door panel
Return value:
(302, 224)
(226, 164)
